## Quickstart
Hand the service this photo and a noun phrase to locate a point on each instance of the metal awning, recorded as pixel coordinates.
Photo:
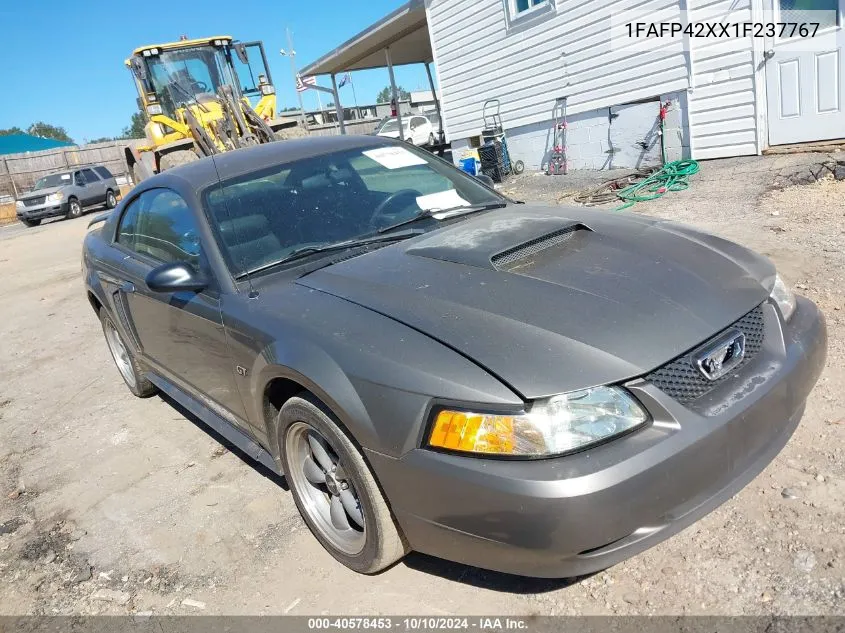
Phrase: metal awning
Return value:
(405, 32)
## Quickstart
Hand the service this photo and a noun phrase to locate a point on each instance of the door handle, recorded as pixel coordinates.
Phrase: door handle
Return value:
(769, 54)
(127, 287)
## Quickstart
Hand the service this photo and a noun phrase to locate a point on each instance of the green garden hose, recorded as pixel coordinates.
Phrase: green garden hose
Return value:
(673, 176)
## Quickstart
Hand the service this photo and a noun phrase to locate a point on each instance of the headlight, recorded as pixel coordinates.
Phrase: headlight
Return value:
(267, 89)
(19, 204)
(782, 295)
(556, 425)
(55, 197)
(155, 108)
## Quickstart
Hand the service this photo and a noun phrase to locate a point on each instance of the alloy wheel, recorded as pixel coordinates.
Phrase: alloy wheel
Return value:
(120, 354)
(325, 488)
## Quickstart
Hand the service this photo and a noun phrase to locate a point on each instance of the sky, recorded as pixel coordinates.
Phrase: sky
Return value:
(62, 63)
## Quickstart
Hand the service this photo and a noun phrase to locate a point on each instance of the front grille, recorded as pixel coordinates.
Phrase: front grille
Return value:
(532, 247)
(681, 379)
(34, 202)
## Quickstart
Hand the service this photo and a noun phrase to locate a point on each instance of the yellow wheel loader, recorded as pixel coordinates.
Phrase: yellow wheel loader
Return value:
(196, 95)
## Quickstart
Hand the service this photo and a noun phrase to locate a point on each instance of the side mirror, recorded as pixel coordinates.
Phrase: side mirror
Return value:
(484, 178)
(175, 277)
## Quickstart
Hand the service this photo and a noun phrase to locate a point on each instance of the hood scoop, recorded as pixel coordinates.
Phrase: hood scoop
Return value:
(498, 242)
(505, 259)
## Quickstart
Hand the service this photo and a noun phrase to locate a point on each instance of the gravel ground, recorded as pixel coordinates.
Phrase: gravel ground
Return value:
(110, 504)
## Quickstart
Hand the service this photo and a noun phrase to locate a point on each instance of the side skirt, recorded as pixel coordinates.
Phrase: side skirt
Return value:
(217, 423)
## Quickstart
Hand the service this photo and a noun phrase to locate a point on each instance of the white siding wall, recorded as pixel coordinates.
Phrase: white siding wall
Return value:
(479, 55)
(722, 112)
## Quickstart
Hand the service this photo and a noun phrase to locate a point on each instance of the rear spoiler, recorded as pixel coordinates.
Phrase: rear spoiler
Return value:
(100, 218)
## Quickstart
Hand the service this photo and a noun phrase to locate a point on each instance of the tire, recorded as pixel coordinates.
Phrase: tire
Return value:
(30, 223)
(137, 173)
(368, 549)
(518, 167)
(177, 158)
(129, 369)
(289, 133)
(74, 209)
(111, 201)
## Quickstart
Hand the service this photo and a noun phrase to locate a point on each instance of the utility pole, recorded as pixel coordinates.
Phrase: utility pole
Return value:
(290, 53)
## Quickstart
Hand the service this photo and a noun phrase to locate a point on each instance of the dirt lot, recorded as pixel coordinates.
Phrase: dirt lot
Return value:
(110, 504)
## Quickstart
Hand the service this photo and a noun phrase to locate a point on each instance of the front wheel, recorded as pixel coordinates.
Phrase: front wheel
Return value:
(74, 209)
(111, 201)
(334, 489)
(177, 158)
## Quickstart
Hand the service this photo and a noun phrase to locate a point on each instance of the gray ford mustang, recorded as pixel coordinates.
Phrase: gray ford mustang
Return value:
(544, 391)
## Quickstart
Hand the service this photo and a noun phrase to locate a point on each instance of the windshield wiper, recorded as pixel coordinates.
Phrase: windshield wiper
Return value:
(304, 251)
(429, 213)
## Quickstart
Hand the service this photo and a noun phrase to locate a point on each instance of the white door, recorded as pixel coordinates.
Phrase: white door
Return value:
(805, 76)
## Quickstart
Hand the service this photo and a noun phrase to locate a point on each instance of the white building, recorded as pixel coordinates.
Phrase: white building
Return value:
(724, 100)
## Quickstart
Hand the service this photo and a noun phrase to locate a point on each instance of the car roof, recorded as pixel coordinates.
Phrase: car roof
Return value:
(238, 162)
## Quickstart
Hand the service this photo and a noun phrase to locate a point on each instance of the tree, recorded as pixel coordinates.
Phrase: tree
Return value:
(102, 139)
(330, 104)
(45, 130)
(12, 130)
(385, 95)
(135, 129)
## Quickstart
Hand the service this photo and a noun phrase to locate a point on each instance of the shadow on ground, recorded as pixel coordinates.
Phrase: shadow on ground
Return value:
(485, 579)
(262, 470)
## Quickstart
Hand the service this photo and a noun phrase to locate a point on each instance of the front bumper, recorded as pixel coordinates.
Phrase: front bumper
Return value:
(42, 211)
(578, 514)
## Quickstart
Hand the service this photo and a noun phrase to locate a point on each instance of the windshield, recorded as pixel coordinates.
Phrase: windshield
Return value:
(53, 180)
(188, 75)
(392, 125)
(262, 217)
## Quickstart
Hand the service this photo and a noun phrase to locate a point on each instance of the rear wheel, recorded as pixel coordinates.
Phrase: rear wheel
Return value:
(177, 158)
(431, 140)
(137, 173)
(124, 359)
(74, 209)
(111, 201)
(334, 489)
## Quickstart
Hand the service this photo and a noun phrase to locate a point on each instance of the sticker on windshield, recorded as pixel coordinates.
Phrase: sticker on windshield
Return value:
(65, 176)
(394, 157)
(441, 200)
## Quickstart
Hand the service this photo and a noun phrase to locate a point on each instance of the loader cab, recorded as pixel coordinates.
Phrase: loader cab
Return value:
(191, 72)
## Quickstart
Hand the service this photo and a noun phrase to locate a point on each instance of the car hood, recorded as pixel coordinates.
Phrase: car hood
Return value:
(39, 192)
(557, 299)
(394, 134)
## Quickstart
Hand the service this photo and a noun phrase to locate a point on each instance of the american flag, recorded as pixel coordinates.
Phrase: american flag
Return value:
(303, 83)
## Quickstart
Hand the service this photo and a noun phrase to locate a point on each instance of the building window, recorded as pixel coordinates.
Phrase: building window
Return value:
(519, 7)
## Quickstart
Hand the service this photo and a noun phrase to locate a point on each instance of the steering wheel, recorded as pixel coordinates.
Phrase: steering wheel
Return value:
(200, 86)
(379, 213)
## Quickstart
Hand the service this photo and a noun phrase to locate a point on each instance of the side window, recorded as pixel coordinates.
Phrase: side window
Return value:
(104, 173)
(90, 176)
(78, 179)
(127, 228)
(160, 225)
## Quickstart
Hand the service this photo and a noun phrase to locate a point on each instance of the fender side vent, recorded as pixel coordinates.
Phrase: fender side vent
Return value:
(536, 245)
